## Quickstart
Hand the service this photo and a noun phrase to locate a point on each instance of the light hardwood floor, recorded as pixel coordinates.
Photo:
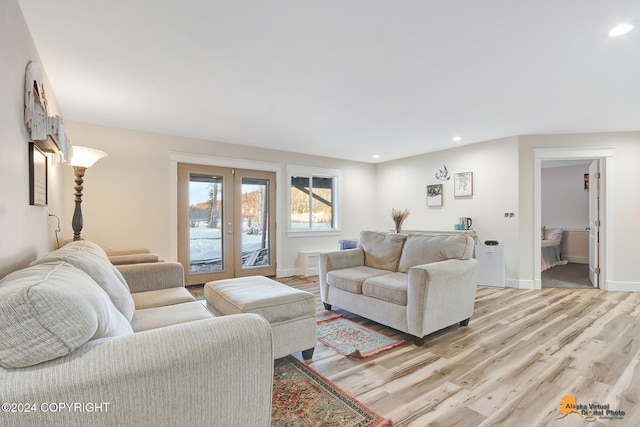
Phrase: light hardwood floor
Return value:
(521, 353)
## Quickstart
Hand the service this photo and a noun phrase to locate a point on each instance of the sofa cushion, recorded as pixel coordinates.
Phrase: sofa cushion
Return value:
(161, 317)
(48, 310)
(427, 248)
(162, 297)
(91, 258)
(351, 279)
(381, 250)
(390, 287)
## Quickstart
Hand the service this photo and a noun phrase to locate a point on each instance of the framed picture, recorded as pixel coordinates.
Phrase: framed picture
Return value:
(37, 176)
(463, 184)
(434, 195)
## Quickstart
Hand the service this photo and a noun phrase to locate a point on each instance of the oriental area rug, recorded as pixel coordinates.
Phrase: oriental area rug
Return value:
(353, 340)
(302, 397)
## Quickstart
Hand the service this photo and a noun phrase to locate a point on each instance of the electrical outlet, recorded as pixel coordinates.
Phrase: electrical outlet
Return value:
(506, 214)
(511, 214)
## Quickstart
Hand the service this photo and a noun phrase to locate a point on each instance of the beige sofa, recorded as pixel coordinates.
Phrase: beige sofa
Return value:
(83, 343)
(416, 283)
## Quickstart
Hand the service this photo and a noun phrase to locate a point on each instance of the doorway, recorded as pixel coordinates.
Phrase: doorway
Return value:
(604, 156)
(569, 205)
(226, 222)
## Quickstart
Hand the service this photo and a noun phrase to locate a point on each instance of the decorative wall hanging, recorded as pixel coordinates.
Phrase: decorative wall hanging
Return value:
(35, 103)
(37, 176)
(463, 184)
(443, 174)
(48, 132)
(434, 195)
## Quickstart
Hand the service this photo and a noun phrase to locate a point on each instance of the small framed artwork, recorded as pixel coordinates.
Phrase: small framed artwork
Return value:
(434, 195)
(586, 182)
(463, 184)
(37, 176)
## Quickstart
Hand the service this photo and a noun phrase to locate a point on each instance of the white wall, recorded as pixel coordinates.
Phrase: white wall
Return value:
(622, 244)
(127, 200)
(565, 203)
(402, 184)
(27, 231)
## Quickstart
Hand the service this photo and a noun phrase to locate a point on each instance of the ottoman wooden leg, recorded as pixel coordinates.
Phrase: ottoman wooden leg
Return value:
(308, 353)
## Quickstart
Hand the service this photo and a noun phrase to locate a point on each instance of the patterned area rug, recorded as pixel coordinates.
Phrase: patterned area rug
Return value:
(351, 339)
(303, 397)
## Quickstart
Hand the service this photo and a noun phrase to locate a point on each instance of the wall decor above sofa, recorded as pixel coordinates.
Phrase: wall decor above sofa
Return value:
(46, 131)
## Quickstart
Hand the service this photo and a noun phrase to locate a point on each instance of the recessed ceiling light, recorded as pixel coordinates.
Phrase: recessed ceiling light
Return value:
(620, 30)
(456, 138)
(375, 156)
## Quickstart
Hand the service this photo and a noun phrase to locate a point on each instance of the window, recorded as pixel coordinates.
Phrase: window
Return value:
(312, 200)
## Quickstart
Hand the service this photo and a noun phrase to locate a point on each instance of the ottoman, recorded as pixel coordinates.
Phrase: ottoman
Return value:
(291, 312)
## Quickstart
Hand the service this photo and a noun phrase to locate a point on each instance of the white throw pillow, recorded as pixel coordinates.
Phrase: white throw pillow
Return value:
(49, 310)
(91, 258)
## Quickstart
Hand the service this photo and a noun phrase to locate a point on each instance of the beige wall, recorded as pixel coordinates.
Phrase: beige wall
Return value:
(402, 184)
(27, 231)
(127, 197)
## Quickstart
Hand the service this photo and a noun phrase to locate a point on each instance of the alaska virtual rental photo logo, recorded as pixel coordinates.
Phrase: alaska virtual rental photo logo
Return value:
(589, 412)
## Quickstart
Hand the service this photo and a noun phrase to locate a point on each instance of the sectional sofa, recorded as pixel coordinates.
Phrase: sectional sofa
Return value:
(83, 343)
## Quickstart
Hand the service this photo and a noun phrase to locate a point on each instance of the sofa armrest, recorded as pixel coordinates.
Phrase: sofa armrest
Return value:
(132, 259)
(209, 372)
(440, 294)
(337, 260)
(117, 252)
(152, 276)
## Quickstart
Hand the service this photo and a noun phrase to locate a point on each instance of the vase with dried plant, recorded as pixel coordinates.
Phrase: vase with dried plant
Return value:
(398, 217)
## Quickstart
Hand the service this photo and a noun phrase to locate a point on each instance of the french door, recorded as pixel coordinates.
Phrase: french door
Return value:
(226, 222)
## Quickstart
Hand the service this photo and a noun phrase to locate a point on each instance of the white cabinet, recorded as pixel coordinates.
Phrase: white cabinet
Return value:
(491, 269)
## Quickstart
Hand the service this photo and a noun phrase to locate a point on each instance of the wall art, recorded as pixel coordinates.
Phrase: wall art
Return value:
(434, 195)
(443, 174)
(37, 176)
(463, 184)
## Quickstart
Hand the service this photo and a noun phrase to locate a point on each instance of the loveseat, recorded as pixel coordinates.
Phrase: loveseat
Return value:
(415, 283)
(83, 343)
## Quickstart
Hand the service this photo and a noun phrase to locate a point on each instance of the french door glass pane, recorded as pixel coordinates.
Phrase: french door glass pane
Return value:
(205, 224)
(255, 222)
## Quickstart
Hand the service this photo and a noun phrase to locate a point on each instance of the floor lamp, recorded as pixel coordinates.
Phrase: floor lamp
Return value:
(83, 158)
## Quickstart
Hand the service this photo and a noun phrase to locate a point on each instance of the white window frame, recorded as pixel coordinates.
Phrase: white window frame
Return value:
(311, 172)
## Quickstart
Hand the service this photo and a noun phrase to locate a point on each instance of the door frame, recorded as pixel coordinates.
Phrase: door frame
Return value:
(605, 248)
(176, 157)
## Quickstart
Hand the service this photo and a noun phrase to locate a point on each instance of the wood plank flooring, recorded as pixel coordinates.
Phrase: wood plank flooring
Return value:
(521, 353)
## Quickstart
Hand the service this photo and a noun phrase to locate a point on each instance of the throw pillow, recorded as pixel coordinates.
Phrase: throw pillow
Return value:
(49, 310)
(381, 250)
(91, 258)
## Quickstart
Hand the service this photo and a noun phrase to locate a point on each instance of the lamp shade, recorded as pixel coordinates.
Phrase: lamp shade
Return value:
(85, 157)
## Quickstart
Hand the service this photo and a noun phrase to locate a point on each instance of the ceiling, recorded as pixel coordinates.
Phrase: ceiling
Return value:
(344, 79)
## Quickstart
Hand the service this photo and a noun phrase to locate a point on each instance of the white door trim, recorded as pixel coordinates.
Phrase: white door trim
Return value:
(606, 231)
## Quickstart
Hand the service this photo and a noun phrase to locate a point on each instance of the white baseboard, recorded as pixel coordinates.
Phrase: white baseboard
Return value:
(520, 284)
(287, 272)
(578, 259)
(623, 286)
